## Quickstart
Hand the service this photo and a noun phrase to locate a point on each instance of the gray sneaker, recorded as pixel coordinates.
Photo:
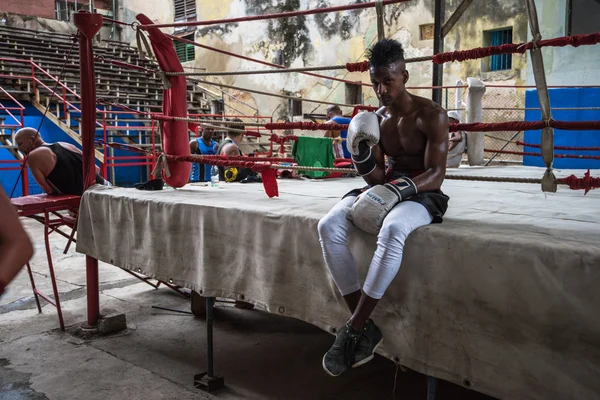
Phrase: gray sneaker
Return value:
(370, 339)
(340, 356)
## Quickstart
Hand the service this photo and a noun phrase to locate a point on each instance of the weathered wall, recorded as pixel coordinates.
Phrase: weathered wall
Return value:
(38, 8)
(41, 8)
(334, 38)
(37, 23)
(566, 65)
(159, 11)
(40, 15)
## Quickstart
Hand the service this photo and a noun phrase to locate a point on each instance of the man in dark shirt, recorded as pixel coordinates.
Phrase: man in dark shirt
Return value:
(56, 167)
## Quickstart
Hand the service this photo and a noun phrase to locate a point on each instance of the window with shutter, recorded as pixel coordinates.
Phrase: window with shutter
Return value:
(185, 11)
(497, 37)
(185, 52)
(582, 16)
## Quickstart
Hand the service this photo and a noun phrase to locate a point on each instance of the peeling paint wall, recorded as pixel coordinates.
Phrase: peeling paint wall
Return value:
(37, 23)
(35, 8)
(159, 11)
(335, 38)
(566, 65)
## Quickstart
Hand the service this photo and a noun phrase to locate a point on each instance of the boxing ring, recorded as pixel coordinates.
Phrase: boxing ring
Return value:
(500, 298)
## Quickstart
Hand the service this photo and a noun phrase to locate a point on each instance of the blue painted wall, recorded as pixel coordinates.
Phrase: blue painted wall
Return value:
(124, 176)
(566, 98)
(9, 178)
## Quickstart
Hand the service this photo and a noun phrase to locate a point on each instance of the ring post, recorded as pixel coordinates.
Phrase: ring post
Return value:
(88, 25)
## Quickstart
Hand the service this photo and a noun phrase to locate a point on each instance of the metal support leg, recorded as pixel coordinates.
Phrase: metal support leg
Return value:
(93, 291)
(51, 267)
(35, 292)
(207, 380)
(431, 387)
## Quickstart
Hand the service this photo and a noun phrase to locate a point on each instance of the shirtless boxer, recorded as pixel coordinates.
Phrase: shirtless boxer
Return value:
(413, 133)
(56, 167)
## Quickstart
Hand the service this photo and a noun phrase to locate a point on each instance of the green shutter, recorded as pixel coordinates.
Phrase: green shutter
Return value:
(185, 52)
(190, 52)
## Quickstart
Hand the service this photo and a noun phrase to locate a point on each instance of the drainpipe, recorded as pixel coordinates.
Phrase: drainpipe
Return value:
(438, 47)
(114, 15)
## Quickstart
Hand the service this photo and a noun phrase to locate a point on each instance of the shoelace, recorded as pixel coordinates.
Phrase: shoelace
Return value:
(350, 346)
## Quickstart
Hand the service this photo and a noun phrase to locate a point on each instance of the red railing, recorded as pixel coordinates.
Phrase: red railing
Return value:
(64, 90)
(62, 94)
(136, 161)
(19, 107)
(150, 159)
(18, 167)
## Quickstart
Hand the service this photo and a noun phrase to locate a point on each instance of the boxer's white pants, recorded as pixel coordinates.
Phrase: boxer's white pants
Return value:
(397, 225)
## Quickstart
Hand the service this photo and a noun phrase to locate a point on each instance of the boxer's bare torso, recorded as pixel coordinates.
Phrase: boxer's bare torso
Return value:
(404, 136)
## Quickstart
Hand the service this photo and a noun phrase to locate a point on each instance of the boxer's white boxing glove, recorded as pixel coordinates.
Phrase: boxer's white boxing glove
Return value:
(363, 133)
(372, 206)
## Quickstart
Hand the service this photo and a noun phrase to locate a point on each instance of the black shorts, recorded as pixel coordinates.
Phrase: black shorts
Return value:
(436, 202)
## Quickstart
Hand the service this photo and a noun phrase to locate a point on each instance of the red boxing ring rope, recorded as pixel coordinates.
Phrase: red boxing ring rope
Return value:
(274, 15)
(481, 52)
(538, 146)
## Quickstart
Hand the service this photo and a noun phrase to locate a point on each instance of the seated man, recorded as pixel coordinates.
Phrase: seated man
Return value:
(457, 143)
(334, 115)
(56, 167)
(204, 145)
(230, 146)
(412, 132)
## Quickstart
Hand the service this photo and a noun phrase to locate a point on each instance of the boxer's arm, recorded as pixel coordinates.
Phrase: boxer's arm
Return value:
(454, 141)
(377, 177)
(434, 124)
(193, 146)
(363, 143)
(15, 246)
(39, 161)
(456, 137)
(331, 134)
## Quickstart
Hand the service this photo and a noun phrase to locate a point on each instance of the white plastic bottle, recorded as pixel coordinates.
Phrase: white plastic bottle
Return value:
(214, 176)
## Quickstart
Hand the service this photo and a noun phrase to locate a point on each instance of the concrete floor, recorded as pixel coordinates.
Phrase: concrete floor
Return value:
(261, 356)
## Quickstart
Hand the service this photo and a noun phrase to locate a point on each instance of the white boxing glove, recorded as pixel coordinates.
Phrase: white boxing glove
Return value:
(363, 127)
(372, 206)
(363, 133)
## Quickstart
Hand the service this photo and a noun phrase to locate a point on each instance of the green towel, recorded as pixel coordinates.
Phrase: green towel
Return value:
(313, 152)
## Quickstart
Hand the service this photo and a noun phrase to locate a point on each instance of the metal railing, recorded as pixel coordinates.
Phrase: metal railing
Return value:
(19, 107)
(18, 167)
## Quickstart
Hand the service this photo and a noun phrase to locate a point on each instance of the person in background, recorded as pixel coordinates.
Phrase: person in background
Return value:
(334, 116)
(457, 143)
(56, 167)
(15, 246)
(203, 145)
(230, 146)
